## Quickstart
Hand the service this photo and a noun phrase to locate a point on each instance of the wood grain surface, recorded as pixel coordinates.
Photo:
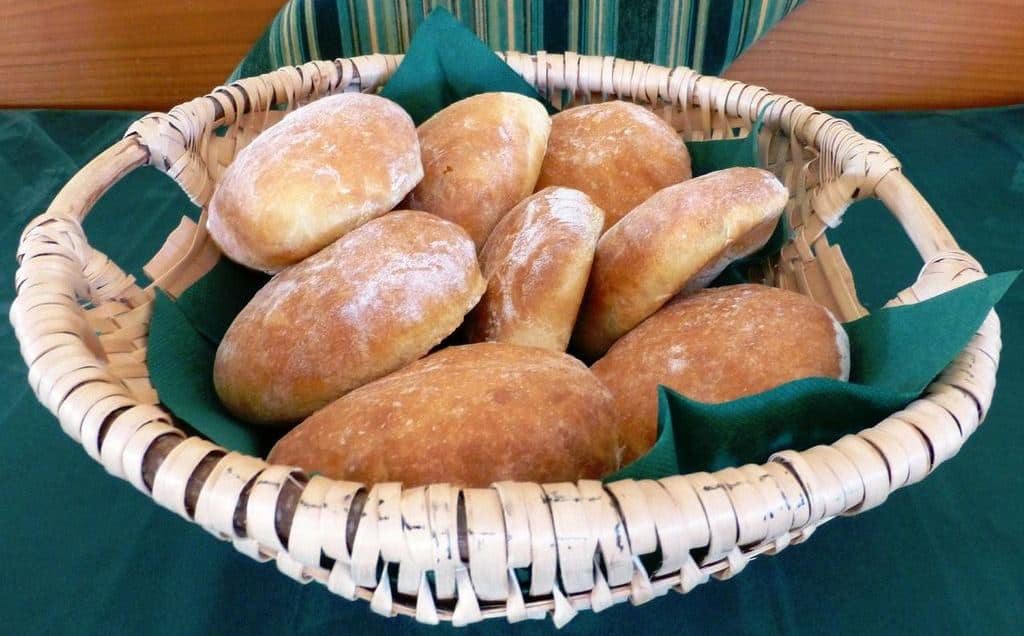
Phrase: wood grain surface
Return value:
(147, 55)
(893, 54)
(830, 53)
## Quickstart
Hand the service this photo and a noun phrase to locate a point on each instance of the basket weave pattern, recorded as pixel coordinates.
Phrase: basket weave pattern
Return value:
(83, 323)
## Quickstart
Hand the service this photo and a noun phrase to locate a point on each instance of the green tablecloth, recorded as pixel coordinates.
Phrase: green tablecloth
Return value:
(84, 553)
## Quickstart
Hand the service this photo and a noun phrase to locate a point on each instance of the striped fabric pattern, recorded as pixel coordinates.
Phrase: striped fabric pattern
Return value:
(705, 35)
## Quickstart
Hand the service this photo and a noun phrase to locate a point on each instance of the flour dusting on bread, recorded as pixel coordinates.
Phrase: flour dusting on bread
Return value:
(320, 172)
(376, 299)
(537, 261)
(618, 153)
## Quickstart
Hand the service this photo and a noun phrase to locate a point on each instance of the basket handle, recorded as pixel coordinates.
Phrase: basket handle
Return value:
(84, 189)
(61, 226)
(919, 220)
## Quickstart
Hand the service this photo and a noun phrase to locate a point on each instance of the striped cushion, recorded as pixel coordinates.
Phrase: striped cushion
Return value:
(703, 34)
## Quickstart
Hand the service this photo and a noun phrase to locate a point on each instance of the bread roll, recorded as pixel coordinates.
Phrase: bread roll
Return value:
(469, 415)
(320, 172)
(536, 263)
(617, 152)
(718, 345)
(374, 300)
(678, 240)
(481, 156)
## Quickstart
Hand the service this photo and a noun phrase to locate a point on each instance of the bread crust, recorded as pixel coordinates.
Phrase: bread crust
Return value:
(618, 152)
(374, 300)
(536, 262)
(322, 171)
(481, 156)
(469, 415)
(717, 345)
(676, 240)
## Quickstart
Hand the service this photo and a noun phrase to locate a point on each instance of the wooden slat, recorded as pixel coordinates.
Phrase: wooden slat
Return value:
(906, 54)
(122, 53)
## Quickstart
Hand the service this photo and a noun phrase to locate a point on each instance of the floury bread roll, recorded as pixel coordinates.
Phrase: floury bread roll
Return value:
(617, 152)
(469, 415)
(536, 263)
(679, 240)
(374, 300)
(481, 156)
(718, 345)
(320, 172)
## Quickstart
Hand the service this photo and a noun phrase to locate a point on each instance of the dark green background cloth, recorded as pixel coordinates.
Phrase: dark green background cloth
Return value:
(84, 553)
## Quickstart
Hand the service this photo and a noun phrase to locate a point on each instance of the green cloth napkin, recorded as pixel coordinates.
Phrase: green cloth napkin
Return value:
(894, 352)
(446, 63)
(708, 156)
(181, 368)
(214, 300)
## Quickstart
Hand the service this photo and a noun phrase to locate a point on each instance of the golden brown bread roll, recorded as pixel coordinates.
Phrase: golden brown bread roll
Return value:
(481, 156)
(718, 345)
(536, 263)
(678, 240)
(469, 415)
(617, 152)
(374, 300)
(320, 172)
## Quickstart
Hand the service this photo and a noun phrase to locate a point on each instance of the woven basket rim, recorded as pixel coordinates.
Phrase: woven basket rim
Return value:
(472, 539)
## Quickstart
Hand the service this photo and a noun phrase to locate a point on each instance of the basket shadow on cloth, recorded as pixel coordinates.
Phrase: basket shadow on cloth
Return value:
(82, 324)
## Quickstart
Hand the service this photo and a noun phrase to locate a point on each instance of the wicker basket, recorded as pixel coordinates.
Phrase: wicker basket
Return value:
(82, 324)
